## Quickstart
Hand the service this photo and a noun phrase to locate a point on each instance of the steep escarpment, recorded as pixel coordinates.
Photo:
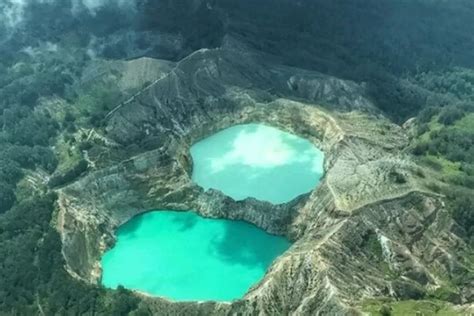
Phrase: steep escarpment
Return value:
(372, 228)
(219, 81)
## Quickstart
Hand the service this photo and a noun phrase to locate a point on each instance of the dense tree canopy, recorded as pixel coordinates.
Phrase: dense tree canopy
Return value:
(416, 58)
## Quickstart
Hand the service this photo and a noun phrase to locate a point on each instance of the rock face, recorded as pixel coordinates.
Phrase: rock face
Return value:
(370, 229)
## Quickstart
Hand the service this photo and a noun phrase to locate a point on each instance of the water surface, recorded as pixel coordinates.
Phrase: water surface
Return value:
(259, 161)
(182, 256)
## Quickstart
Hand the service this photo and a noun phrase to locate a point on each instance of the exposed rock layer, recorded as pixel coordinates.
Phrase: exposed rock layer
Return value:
(370, 229)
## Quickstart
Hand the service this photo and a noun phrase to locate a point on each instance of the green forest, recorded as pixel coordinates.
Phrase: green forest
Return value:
(415, 57)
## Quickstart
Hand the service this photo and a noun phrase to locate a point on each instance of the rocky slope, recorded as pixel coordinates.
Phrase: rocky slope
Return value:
(372, 228)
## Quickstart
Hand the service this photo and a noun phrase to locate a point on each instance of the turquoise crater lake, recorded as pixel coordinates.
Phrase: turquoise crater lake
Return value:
(185, 257)
(259, 161)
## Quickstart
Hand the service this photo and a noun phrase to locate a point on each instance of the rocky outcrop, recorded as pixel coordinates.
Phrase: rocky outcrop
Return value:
(370, 229)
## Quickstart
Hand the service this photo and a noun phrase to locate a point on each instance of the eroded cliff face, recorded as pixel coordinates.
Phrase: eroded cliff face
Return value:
(370, 229)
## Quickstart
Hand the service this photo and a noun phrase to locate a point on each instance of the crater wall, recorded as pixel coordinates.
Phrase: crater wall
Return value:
(371, 228)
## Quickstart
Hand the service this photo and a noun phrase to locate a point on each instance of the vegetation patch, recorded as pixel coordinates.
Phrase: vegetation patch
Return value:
(389, 307)
(68, 153)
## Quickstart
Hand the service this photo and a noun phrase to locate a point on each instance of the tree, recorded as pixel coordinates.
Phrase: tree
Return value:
(450, 115)
(10, 171)
(123, 302)
(385, 310)
(7, 197)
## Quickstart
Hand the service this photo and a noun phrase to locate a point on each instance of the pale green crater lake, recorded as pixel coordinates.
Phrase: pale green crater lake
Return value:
(259, 161)
(184, 257)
